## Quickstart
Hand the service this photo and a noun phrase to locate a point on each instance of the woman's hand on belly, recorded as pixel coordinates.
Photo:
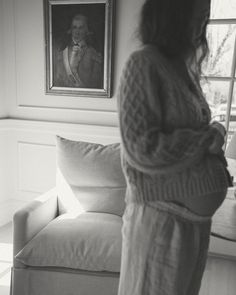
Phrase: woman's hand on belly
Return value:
(219, 139)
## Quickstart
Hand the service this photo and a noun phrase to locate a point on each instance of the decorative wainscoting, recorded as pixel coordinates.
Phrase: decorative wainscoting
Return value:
(28, 163)
(28, 157)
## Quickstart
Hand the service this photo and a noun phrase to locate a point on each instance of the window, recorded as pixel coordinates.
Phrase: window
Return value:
(219, 67)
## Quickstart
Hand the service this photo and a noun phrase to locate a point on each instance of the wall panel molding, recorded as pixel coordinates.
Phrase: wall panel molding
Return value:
(72, 129)
(31, 151)
(71, 114)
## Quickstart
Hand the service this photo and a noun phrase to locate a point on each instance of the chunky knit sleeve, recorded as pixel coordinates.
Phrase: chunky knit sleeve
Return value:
(146, 145)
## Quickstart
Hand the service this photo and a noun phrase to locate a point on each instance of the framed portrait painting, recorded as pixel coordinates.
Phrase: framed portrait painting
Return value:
(78, 47)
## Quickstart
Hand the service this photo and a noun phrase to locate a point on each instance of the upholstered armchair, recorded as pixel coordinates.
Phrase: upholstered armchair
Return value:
(68, 241)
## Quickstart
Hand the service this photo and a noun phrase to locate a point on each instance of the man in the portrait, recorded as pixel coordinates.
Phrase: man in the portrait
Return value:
(77, 63)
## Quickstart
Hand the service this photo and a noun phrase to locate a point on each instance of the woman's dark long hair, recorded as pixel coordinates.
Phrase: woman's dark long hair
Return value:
(168, 25)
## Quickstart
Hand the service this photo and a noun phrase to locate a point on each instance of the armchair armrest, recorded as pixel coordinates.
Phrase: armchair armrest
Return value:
(30, 219)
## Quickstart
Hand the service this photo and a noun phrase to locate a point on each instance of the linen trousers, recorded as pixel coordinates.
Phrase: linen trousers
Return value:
(164, 250)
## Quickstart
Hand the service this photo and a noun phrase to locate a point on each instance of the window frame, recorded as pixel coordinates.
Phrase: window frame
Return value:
(231, 78)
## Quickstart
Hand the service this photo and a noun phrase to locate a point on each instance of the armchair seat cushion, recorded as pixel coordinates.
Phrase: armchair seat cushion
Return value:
(88, 241)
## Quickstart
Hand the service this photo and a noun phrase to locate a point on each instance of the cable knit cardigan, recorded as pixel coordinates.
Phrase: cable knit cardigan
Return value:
(165, 133)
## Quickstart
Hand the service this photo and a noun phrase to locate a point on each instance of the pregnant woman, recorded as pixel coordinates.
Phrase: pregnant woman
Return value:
(172, 153)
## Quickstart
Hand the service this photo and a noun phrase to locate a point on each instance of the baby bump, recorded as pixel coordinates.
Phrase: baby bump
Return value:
(206, 205)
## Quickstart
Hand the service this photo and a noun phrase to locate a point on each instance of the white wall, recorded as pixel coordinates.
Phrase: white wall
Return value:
(2, 101)
(4, 165)
(25, 75)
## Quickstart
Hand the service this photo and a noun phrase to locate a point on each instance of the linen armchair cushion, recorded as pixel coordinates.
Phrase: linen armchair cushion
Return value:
(88, 241)
(89, 177)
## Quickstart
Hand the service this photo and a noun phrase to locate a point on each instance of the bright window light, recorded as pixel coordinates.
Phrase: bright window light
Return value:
(219, 69)
(6, 252)
(5, 280)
